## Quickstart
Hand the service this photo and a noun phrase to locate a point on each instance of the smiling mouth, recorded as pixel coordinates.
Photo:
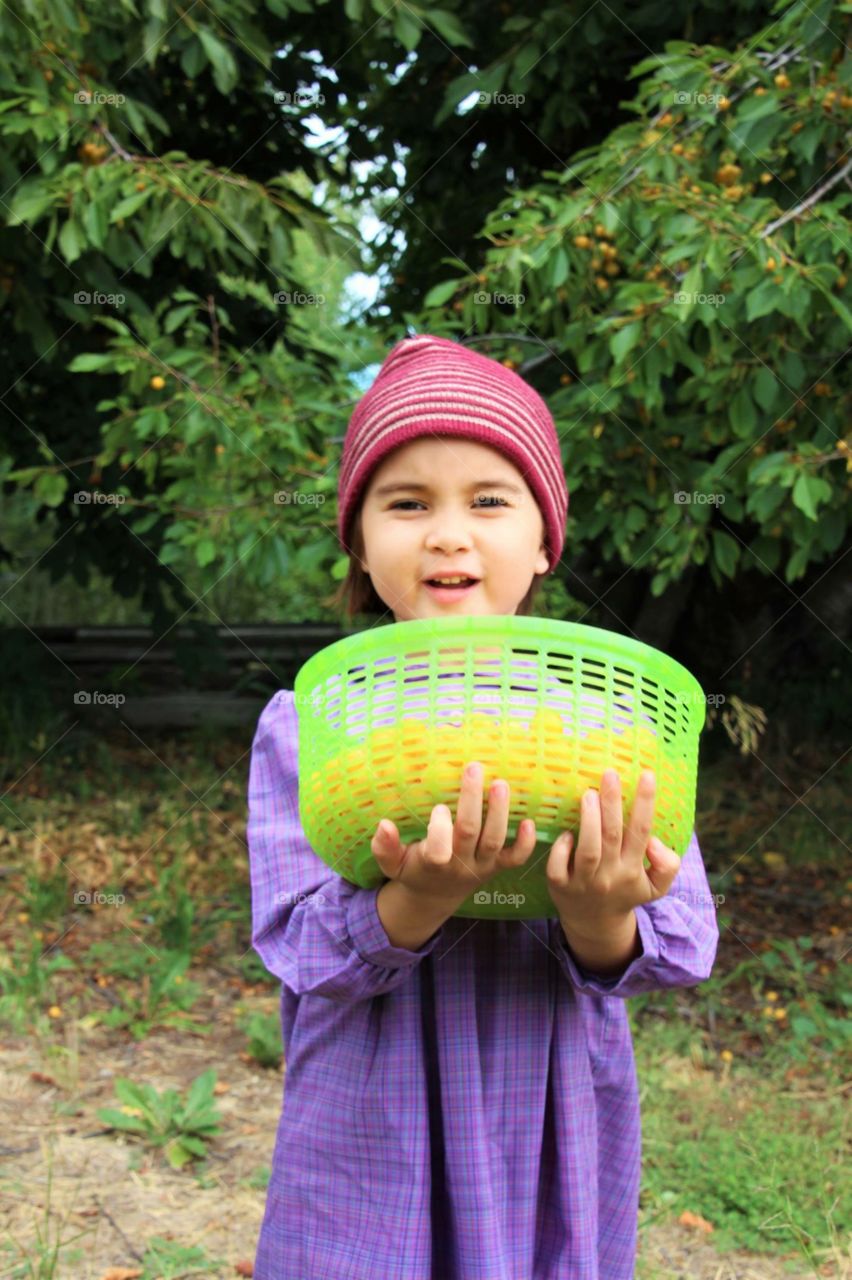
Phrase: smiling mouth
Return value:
(447, 590)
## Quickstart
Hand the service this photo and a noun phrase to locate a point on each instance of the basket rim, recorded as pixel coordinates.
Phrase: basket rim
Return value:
(364, 643)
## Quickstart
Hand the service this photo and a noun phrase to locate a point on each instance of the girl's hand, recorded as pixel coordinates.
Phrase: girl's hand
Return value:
(456, 858)
(606, 878)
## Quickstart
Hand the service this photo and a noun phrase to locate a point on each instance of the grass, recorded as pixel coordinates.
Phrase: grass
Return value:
(760, 1160)
(743, 1104)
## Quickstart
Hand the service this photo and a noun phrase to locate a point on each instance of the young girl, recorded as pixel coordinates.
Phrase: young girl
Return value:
(461, 1098)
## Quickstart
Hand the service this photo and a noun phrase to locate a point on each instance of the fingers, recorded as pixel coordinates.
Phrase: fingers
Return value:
(387, 848)
(438, 846)
(638, 830)
(603, 837)
(588, 853)
(492, 839)
(524, 843)
(556, 871)
(612, 816)
(665, 864)
(468, 822)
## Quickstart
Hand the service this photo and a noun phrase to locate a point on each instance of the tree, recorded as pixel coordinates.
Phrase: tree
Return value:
(677, 293)
(159, 186)
(724, 181)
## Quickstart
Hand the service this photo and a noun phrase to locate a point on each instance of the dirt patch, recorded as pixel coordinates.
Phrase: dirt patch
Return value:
(108, 1186)
(673, 1252)
(120, 1196)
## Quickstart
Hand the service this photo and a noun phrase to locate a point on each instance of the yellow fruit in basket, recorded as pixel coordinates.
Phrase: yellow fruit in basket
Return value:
(551, 722)
(430, 757)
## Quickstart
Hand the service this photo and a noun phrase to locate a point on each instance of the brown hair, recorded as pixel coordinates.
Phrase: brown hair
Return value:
(356, 593)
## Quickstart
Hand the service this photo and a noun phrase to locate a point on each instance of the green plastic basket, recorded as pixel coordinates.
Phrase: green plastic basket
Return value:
(388, 719)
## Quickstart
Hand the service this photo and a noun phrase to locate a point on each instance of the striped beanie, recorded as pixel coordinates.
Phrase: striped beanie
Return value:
(435, 386)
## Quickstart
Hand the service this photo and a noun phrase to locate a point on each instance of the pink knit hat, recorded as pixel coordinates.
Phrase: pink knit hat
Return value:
(435, 386)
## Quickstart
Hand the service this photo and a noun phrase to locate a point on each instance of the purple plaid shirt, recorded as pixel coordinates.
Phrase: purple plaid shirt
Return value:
(466, 1111)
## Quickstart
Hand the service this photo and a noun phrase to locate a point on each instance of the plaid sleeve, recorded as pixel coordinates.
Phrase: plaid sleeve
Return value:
(318, 933)
(679, 934)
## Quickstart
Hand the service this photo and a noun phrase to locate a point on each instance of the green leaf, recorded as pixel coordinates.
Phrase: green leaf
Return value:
(195, 1145)
(175, 318)
(441, 293)
(455, 92)
(525, 60)
(818, 20)
(449, 27)
(132, 1094)
(689, 290)
(201, 1089)
(843, 311)
(406, 29)
(792, 369)
(340, 568)
(130, 204)
(177, 1154)
(770, 467)
(559, 264)
(741, 413)
(31, 200)
(726, 552)
(797, 563)
(806, 143)
(752, 108)
(192, 59)
(765, 387)
(118, 1120)
(25, 474)
(88, 361)
(763, 501)
(763, 300)
(808, 491)
(222, 60)
(95, 223)
(205, 551)
(71, 242)
(716, 255)
(50, 488)
(625, 340)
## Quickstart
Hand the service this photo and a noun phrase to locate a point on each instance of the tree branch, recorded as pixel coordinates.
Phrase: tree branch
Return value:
(806, 204)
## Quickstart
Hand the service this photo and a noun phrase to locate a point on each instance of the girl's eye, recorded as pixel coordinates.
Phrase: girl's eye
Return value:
(489, 498)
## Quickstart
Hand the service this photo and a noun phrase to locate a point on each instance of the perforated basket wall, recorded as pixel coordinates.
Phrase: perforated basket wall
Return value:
(389, 718)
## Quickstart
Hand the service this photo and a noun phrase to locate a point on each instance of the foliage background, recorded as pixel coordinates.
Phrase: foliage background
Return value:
(644, 213)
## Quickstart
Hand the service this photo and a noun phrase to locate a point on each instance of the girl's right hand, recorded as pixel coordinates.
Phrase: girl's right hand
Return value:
(455, 859)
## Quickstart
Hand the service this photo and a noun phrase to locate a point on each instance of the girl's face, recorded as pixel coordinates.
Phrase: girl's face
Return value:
(440, 505)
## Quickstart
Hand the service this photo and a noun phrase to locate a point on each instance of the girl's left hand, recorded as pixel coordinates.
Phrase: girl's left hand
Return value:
(606, 877)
